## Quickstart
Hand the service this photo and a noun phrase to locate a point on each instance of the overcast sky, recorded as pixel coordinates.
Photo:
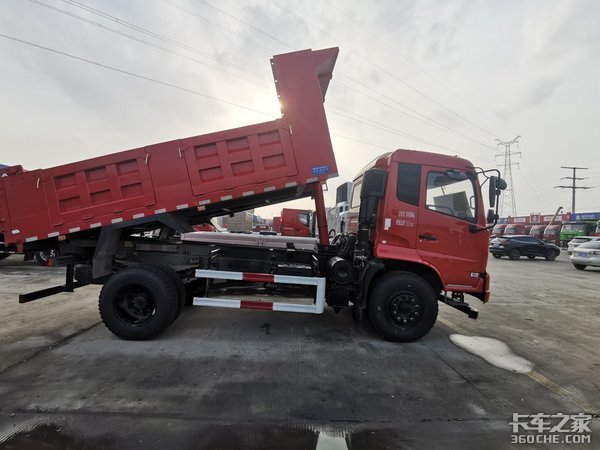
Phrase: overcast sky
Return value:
(447, 76)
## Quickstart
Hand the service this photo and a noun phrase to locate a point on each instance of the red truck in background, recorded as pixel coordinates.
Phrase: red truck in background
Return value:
(276, 224)
(296, 222)
(514, 229)
(417, 225)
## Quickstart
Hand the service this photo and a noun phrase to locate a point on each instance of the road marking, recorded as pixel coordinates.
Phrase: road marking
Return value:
(541, 379)
(561, 391)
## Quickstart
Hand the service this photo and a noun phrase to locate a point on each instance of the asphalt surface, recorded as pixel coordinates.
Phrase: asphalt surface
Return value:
(269, 380)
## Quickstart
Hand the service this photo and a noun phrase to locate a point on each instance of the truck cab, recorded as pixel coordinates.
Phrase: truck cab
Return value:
(296, 222)
(428, 220)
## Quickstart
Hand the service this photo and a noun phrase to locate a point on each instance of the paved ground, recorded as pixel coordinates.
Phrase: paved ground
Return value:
(257, 379)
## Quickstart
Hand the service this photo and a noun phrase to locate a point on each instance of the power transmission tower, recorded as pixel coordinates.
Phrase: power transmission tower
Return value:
(573, 187)
(509, 192)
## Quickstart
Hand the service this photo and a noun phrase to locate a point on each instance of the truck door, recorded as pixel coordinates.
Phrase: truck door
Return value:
(450, 206)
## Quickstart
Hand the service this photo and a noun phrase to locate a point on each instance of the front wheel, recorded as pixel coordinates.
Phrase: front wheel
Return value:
(579, 266)
(514, 254)
(551, 255)
(496, 255)
(402, 307)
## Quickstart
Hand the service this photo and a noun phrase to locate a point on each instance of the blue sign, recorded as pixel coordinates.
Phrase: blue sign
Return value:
(584, 216)
(320, 170)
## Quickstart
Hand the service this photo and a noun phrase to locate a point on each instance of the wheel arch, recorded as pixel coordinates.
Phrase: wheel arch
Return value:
(379, 268)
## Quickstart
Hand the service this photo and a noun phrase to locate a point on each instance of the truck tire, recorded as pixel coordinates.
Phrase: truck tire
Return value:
(177, 282)
(402, 307)
(138, 303)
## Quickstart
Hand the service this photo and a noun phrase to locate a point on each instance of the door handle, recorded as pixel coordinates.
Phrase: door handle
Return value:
(427, 237)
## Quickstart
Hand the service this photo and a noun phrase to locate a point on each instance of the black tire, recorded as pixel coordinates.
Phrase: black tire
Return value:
(402, 307)
(4, 255)
(579, 266)
(496, 255)
(177, 282)
(514, 254)
(531, 257)
(138, 303)
(551, 255)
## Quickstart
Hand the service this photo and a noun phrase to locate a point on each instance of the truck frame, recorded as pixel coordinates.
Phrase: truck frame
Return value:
(417, 231)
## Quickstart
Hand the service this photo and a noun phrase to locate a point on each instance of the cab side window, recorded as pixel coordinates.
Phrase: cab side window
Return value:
(409, 183)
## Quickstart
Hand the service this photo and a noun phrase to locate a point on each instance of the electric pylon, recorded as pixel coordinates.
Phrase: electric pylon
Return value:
(509, 192)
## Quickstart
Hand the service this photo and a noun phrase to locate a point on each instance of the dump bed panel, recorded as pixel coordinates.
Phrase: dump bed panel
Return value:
(185, 173)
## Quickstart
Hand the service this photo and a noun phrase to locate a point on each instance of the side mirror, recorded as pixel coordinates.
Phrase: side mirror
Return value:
(491, 216)
(497, 184)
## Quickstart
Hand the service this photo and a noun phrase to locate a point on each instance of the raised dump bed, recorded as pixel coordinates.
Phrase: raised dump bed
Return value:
(199, 176)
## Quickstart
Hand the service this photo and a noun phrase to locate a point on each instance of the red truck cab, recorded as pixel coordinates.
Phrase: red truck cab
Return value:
(537, 231)
(430, 219)
(295, 222)
(515, 229)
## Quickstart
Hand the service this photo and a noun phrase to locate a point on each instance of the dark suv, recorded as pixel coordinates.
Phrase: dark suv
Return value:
(516, 246)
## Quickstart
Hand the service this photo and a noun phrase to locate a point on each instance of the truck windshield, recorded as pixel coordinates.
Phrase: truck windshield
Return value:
(356, 194)
(453, 195)
(574, 227)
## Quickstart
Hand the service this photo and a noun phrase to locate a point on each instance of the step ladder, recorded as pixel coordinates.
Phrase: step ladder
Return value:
(316, 308)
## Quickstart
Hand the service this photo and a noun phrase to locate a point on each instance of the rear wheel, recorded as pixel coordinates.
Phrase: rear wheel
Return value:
(402, 307)
(514, 254)
(551, 255)
(179, 286)
(138, 303)
(496, 255)
(579, 266)
(43, 258)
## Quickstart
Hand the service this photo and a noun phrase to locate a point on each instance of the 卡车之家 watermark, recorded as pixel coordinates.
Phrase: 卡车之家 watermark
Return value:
(556, 428)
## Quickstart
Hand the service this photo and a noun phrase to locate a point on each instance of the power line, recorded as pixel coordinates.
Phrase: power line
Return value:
(125, 72)
(421, 117)
(142, 41)
(208, 21)
(383, 70)
(258, 30)
(574, 186)
(157, 36)
(410, 62)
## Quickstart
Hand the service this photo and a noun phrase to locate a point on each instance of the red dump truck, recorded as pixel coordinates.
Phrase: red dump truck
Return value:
(418, 232)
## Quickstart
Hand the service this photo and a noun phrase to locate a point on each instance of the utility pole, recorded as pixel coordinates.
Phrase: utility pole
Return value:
(511, 210)
(573, 187)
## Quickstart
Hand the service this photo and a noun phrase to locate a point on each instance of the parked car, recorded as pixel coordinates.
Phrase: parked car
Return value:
(576, 242)
(523, 245)
(587, 254)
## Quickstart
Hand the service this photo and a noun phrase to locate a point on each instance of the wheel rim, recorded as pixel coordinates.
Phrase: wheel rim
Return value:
(514, 254)
(134, 304)
(405, 310)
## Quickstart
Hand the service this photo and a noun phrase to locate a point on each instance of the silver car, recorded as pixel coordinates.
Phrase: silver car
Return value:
(576, 242)
(587, 254)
